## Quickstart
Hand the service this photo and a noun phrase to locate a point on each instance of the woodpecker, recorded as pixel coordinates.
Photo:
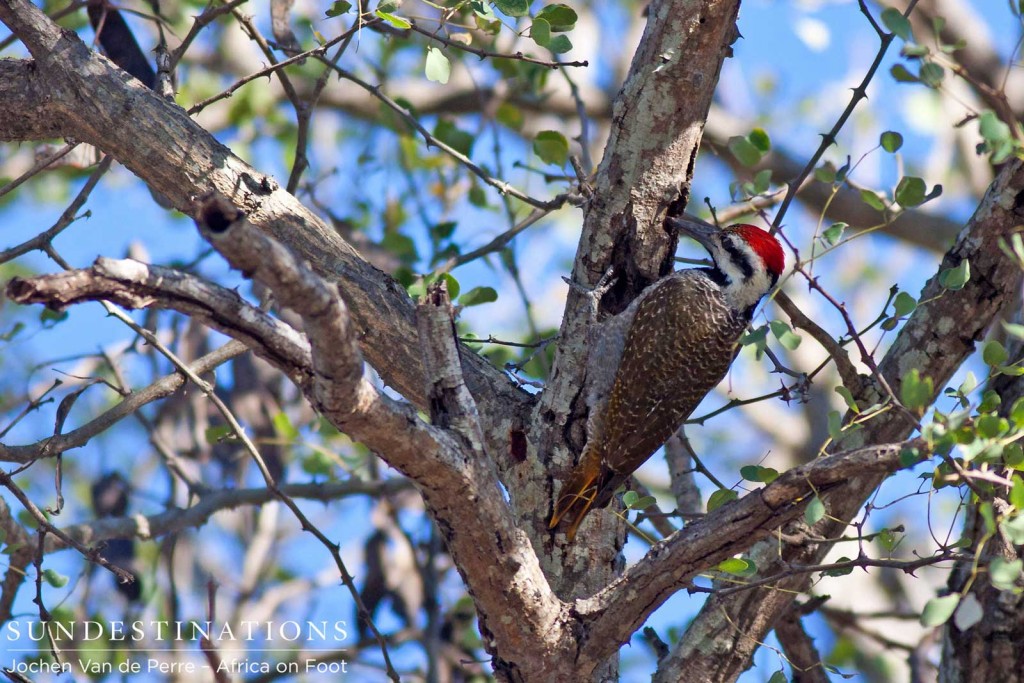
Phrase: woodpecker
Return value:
(654, 362)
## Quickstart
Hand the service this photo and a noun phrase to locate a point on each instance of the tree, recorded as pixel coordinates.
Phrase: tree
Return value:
(348, 376)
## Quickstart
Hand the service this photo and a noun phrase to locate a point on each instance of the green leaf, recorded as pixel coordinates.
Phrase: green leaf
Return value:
(891, 141)
(1004, 573)
(988, 515)
(720, 498)
(510, 115)
(214, 435)
(900, 73)
(744, 150)
(540, 31)
(833, 233)
(1017, 413)
(734, 565)
(904, 304)
(991, 426)
(13, 332)
(835, 425)
(914, 51)
(955, 278)
(483, 10)
(950, 48)
(561, 17)
(395, 20)
(453, 285)
(778, 677)
(757, 338)
(990, 400)
(443, 230)
(552, 147)
(633, 501)
(992, 128)
(839, 571)
(317, 463)
(388, 6)
(815, 511)
(1017, 493)
(847, 398)
(477, 296)
(909, 457)
(438, 67)
(644, 503)
(560, 45)
(787, 337)
(762, 181)
(456, 138)
(513, 8)
(50, 317)
(283, 426)
(478, 196)
(759, 139)
(1014, 529)
(825, 173)
(932, 74)
(338, 7)
(758, 473)
(897, 23)
(910, 192)
(993, 353)
(54, 578)
(872, 199)
(916, 392)
(1013, 456)
(938, 610)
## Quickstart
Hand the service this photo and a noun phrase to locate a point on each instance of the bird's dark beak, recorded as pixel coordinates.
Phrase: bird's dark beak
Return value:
(697, 229)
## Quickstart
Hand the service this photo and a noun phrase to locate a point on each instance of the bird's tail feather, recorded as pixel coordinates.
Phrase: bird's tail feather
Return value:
(577, 497)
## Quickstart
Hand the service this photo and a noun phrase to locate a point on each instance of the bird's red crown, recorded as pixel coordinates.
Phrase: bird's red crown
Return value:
(764, 245)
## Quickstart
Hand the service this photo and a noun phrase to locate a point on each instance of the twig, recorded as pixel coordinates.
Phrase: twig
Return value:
(314, 52)
(482, 54)
(45, 527)
(44, 239)
(198, 24)
(131, 403)
(859, 93)
(39, 166)
(906, 566)
(497, 244)
(847, 372)
(555, 203)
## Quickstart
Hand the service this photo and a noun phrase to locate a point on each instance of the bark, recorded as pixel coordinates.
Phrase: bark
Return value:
(644, 176)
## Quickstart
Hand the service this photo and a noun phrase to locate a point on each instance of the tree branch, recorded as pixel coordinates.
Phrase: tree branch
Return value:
(176, 156)
(496, 558)
(163, 387)
(610, 616)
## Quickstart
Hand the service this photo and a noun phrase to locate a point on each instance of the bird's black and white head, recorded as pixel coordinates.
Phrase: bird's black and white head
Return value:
(748, 261)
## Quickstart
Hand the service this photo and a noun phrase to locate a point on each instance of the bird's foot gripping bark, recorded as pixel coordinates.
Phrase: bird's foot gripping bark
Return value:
(595, 294)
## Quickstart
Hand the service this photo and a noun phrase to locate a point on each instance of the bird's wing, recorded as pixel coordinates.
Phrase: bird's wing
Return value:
(678, 348)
